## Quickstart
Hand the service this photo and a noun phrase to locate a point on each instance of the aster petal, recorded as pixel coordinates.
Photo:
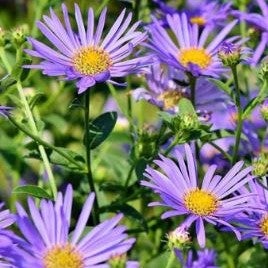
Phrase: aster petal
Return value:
(200, 229)
(80, 25)
(100, 27)
(82, 221)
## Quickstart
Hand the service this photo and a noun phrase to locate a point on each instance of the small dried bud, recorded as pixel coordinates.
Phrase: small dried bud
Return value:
(230, 54)
(263, 72)
(118, 261)
(260, 166)
(19, 35)
(179, 238)
(189, 122)
(264, 110)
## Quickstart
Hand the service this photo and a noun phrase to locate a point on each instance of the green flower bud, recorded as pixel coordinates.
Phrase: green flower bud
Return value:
(263, 72)
(189, 122)
(118, 261)
(264, 110)
(19, 35)
(179, 239)
(260, 166)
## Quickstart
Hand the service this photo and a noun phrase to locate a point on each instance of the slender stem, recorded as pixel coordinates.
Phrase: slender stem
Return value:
(172, 145)
(192, 82)
(45, 144)
(129, 175)
(171, 259)
(239, 117)
(226, 155)
(4, 60)
(41, 148)
(95, 213)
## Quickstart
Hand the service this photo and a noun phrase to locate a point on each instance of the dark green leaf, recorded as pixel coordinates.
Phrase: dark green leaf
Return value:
(221, 86)
(100, 128)
(32, 190)
(140, 168)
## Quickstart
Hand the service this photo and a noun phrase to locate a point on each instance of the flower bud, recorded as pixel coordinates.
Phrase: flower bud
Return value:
(263, 72)
(19, 35)
(230, 54)
(179, 238)
(189, 122)
(118, 261)
(260, 166)
(264, 110)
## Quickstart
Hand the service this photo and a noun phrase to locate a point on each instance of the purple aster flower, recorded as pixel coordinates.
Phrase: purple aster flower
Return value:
(6, 237)
(86, 56)
(164, 92)
(205, 259)
(5, 111)
(254, 224)
(179, 190)
(49, 244)
(203, 13)
(259, 21)
(190, 52)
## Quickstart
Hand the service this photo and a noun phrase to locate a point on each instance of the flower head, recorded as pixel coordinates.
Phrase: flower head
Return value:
(48, 243)
(164, 91)
(259, 21)
(254, 224)
(85, 56)
(189, 52)
(211, 202)
(206, 13)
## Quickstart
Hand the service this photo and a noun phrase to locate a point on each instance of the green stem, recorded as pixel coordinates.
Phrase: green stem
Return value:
(171, 259)
(192, 82)
(44, 143)
(239, 117)
(129, 175)
(5, 60)
(226, 155)
(172, 145)
(41, 148)
(95, 212)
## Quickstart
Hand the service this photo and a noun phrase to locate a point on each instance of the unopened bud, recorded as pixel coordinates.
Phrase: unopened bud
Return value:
(263, 72)
(260, 166)
(264, 110)
(189, 122)
(179, 238)
(230, 54)
(118, 261)
(19, 35)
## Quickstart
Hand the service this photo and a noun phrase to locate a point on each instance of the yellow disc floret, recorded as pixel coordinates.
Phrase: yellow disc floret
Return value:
(198, 20)
(63, 257)
(170, 98)
(196, 56)
(200, 202)
(91, 60)
(264, 225)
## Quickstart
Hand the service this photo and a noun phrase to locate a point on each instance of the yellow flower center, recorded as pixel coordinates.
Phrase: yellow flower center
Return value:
(170, 98)
(63, 257)
(196, 56)
(200, 202)
(198, 20)
(264, 225)
(91, 60)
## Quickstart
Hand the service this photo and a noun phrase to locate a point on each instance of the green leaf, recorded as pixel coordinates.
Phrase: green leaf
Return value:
(32, 190)
(57, 159)
(221, 85)
(100, 128)
(140, 168)
(186, 107)
(7, 82)
(37, 99)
